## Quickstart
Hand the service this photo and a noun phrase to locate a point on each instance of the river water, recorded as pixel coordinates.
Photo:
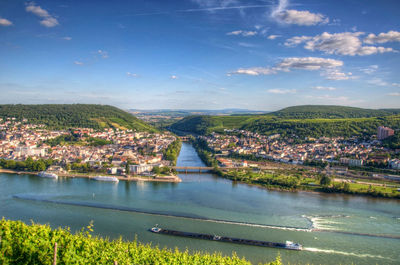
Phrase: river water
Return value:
(356, 229)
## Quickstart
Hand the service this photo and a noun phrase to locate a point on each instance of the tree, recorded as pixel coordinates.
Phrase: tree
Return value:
(325, 180)
(346, 187)
(156, 170)
(40, 166)
(127, 169)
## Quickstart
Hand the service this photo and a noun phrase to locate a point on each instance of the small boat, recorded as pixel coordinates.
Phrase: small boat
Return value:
(294, 246)
(106, 178)
(45, 174)
(288, 245)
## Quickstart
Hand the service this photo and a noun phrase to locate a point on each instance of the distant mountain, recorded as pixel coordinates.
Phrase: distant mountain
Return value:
(184, 112)
(393, 111)
(75, 115)
(303, 121)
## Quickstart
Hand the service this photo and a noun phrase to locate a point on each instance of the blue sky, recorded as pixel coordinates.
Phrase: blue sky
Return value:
(201, 54)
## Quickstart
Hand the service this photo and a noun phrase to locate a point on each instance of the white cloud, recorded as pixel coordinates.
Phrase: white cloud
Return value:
(37, 10)
(346, 43)
(242, 33)
(391, 36)
(103, 54)
(336, 74)
(328, 88)
(49, 22)
(308, 63)
(5, 22)
(272, 37)
(302, 18)
(395, 94)
(78, 63)
(67, 38)
(290, 16)
(282, 91)
(292, 42)
(378, 82)
(254, 71)
(396, 84)
(47, 19)
(174, 77)
(329, 66)
(370, 69)
(131, 74)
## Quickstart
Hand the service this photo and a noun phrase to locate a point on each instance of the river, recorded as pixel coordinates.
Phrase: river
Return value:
(202, 203)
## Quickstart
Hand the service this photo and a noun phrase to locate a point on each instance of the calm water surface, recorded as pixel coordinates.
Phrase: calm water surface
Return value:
(199, 201)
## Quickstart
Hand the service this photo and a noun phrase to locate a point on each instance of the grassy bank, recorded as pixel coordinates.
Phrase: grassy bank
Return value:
(320, 183)
(34, 244)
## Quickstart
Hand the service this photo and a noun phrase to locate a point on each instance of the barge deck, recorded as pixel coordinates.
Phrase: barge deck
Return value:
(288, 245)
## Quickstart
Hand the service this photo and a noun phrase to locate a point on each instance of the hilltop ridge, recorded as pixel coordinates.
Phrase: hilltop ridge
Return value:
(75, 115)
(303, 121)
(331, 112)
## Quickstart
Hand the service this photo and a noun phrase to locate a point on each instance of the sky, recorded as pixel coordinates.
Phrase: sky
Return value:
(201, 54)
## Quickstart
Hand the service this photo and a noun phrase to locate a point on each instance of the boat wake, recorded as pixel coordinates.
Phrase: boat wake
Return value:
(159, 213)
(331, 251)
(315, 226)
(324, 222)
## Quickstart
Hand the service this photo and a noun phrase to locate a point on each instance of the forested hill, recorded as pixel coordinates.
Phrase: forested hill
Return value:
(303, 121)
(75, 115)
(331, 112)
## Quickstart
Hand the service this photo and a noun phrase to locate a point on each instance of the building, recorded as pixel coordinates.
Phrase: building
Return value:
(352, 162)
(25, 151)
(356, 162)
(384, 132)
(140, 169)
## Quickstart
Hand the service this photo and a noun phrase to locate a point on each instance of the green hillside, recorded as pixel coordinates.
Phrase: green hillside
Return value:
(75, 115)
(303, 121)
(330, 112)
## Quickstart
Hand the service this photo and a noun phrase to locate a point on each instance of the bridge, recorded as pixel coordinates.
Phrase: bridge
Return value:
(184, 138)
(189, 169)
(204, 169)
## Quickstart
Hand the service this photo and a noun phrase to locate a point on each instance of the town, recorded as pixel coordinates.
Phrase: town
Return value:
(113, 151)
(352, 152)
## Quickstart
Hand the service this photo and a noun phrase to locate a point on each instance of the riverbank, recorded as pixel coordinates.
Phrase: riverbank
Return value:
(170, 178)
(297, 180)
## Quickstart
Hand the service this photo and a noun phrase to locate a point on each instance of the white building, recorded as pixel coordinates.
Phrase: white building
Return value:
(140, 169)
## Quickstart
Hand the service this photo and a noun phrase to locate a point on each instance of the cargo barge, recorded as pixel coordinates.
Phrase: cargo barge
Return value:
(288, 245)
